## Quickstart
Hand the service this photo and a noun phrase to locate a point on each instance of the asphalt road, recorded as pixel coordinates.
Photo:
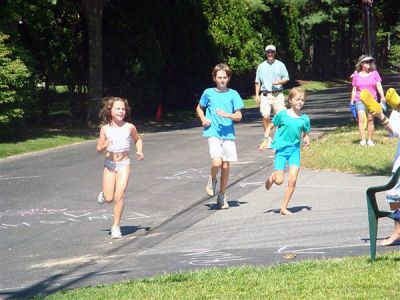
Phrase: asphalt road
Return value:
(55, 236)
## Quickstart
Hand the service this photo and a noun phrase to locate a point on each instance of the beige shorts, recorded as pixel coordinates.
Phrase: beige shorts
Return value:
(226, 149)
(271, 101)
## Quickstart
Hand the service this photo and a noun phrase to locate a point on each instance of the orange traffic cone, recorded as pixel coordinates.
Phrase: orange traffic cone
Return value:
(159, 113)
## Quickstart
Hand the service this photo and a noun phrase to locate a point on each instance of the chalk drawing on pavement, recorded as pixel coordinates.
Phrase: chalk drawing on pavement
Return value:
(211, 258)
(25, 218)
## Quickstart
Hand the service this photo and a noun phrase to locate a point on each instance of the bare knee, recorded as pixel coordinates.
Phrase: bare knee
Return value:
(217, 163)
(225, 165)
(278, 181)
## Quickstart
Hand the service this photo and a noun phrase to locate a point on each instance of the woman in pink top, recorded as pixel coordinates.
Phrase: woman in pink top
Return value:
(366, 78)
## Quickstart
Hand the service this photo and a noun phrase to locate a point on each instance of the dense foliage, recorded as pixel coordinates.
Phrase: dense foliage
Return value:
(162, 52)
(15, 86)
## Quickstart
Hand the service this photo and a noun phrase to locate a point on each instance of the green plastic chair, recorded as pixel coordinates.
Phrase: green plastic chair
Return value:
(374, 214)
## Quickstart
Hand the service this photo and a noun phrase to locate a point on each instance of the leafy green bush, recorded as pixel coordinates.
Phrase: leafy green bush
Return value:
(14, 85)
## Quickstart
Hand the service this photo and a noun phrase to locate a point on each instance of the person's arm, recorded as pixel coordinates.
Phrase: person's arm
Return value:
(138, 143)
(200, 113)
(257, 90)
(380, 91)
(102, 143)
(385, 122)
(306, 140)
(353, 95)
(236, 116)
(284, 76)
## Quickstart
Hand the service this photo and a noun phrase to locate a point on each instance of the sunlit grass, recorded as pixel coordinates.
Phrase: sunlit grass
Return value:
(339, 150)
(342, 278)
(41, 139)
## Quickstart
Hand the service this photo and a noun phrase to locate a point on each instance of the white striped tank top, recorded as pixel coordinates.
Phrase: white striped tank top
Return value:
(120, 137)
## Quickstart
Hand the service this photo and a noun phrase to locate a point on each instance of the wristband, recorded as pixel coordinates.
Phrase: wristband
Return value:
(265, 138)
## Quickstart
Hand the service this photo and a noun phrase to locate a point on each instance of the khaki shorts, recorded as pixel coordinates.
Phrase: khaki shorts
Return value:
(226, 149)
(271, 101)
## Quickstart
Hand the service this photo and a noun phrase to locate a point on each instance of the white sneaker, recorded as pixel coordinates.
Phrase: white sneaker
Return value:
(100, 198)
(221, 201)
(371, 143)
(210, 187)
(363, 143)
(116, 232)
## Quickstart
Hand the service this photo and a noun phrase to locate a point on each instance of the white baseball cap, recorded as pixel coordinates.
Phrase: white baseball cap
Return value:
(270, 48)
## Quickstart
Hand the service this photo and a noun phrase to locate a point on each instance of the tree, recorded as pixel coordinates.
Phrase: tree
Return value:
(94, 14)
(14, 87)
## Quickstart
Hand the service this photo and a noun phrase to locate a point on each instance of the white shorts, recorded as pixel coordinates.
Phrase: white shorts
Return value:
(226, 149)
(271, 101)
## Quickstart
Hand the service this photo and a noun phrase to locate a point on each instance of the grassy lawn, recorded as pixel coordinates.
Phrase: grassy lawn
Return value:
(41, 139)
(343, 278)
(339, 150)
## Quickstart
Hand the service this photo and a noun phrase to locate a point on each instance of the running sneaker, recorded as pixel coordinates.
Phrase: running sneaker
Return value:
(116, 232)
(100, 198)
(210, 187)
(371, 143)
(221, 201)
(363, 143)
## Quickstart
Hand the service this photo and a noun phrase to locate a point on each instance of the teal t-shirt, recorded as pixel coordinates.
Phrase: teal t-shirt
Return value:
(289, 129)
(229, 101)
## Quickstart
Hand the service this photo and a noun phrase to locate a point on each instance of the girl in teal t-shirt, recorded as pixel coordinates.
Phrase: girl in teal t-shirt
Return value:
(292, 127)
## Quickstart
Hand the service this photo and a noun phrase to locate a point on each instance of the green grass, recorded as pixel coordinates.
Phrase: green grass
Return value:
(339, 150)
(41, 139)
(342, 278)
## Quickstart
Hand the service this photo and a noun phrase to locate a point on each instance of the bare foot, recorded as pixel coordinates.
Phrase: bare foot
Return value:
(269, 182)
(286, 212)
(393, 238)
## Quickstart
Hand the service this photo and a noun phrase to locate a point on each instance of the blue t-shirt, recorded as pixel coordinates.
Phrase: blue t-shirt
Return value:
(289, 129)
(229, 101)
(268, 73)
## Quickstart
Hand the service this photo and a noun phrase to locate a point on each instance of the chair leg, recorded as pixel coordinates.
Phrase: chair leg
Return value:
(373, 232)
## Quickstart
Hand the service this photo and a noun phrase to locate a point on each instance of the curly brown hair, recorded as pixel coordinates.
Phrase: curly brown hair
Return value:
(108, 102)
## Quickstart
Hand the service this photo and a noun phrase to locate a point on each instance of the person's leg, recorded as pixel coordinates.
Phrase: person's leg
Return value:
(278, 103)
(293, 172)
(224, 176)
(370, 127)
(265, 109)
(276, 177)
(361, 121)
(395, 236)
(215, 166)
(109, 179)
(122, 178)
(215, 146)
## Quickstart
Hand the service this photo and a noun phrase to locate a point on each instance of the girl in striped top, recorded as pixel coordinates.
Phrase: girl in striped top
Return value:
(115, 141)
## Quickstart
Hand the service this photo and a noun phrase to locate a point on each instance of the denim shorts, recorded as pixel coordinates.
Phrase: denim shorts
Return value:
(393, 195)
(289, 154)
(360, 105)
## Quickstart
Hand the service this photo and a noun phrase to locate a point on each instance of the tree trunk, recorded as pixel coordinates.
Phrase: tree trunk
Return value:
(94, 12)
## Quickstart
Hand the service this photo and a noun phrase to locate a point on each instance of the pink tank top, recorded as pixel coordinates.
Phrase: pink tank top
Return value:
(120, 137)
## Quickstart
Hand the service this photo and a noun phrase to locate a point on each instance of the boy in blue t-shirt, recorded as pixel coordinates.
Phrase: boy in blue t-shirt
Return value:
(218, 108)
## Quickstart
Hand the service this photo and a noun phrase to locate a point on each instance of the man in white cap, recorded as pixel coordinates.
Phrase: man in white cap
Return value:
(271, 75)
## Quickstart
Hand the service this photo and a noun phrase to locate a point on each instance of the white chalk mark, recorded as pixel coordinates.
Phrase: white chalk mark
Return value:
(18, 177)
(52, 222)
(244, 184)
(317, 250)
(77, 216)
